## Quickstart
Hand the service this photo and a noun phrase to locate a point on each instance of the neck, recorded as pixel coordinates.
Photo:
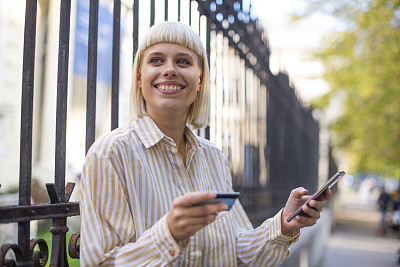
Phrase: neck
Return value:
(171, 125)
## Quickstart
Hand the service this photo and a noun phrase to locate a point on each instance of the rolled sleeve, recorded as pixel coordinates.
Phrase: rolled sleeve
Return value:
(276, 231)
(168, 248)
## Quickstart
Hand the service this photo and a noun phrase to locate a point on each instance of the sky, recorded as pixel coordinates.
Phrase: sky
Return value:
(292, 44)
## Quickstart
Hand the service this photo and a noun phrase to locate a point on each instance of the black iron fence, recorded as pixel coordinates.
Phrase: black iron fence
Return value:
(270, 140)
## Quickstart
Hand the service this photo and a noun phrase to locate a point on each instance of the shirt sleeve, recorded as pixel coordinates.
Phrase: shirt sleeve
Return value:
(264, 245)
(111, 234)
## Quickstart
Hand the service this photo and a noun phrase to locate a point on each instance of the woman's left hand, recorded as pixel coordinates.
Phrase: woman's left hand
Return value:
(312, 212)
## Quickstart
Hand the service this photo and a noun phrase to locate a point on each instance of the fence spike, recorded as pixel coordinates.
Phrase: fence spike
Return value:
(68, 191)
(51, 190)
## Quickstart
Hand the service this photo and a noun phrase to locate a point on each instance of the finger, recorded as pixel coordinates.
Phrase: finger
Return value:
(325, 195)
(207, 209)
(317, 205)
(187, 227)
(197, 222)
(312, 212)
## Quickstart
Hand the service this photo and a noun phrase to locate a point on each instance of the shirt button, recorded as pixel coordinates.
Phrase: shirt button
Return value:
(172, 253)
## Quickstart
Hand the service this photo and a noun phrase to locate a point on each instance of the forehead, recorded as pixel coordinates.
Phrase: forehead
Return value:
(169, 49)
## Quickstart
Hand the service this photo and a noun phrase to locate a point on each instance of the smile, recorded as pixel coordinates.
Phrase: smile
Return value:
(168, 87)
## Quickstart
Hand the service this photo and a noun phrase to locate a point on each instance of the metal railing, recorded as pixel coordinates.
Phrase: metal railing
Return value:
(269, 139)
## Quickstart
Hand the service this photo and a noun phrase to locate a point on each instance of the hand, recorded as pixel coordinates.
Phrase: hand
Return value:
(312, 212)
(184, 219)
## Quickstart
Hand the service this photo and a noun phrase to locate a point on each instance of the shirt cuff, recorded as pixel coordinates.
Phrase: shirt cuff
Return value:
(276, 231)
(169, 249)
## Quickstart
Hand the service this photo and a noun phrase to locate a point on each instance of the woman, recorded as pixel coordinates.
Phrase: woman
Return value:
(141, 183)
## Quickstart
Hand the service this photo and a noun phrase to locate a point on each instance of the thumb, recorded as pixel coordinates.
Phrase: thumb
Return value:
(299, 192)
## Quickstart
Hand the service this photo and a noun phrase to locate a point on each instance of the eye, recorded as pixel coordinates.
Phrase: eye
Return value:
(155, 60)
(183, 61)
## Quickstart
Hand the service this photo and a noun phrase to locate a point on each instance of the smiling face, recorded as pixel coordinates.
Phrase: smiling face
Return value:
(169, 79)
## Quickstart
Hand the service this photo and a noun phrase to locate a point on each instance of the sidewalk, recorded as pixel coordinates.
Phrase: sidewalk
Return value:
(354, 241)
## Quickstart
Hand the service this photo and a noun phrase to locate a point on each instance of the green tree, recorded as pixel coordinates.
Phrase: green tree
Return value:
(362, 62)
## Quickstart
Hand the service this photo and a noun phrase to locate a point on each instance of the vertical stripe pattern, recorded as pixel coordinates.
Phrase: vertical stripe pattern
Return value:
(131, 177)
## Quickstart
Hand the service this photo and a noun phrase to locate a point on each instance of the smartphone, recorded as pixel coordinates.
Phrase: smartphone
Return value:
(227, 198)
(331, 182)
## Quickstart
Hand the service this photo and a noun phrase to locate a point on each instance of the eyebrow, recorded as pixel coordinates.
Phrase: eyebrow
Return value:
(181, 54)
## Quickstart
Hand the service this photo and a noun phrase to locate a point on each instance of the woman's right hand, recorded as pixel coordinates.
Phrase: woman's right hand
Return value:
(185, 218)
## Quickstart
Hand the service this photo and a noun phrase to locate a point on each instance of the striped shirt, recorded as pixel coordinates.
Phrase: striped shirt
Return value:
(131, 177)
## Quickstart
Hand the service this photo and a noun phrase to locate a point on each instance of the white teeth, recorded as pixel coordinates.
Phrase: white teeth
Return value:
(169, 87)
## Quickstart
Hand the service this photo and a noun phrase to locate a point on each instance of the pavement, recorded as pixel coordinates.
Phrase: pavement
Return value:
(354, 240)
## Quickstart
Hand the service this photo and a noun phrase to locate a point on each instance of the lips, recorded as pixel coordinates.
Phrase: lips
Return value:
(169, 87)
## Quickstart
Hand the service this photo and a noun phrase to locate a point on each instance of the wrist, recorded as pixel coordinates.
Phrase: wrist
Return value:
(285, 226)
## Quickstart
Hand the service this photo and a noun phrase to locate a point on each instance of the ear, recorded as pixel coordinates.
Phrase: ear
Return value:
(139, 79)
(200, 83)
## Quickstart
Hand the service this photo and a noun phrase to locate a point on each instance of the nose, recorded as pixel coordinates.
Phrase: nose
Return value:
(170, 69)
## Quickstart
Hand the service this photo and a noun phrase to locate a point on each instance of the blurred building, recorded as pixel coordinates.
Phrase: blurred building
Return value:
(11, 42)
(45, 89)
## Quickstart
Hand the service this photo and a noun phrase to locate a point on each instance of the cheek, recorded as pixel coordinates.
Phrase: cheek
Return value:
(146, 79)
(194, 79)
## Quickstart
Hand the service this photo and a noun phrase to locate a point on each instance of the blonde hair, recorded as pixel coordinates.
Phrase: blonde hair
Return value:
(182, 34)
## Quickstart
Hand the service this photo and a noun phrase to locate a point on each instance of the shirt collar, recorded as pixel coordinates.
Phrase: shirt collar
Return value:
(149, 133)
(192, 140)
